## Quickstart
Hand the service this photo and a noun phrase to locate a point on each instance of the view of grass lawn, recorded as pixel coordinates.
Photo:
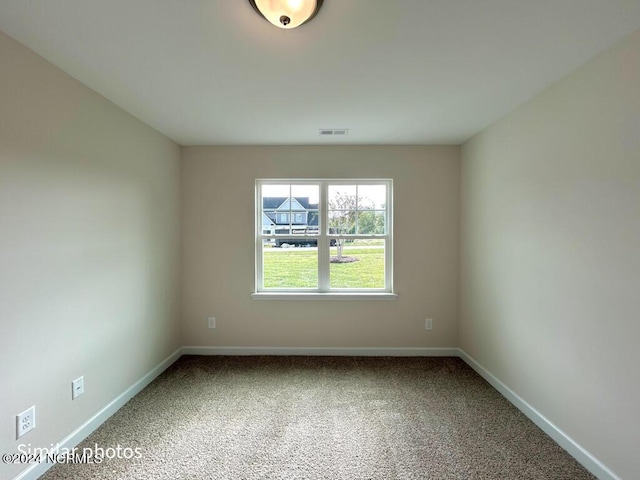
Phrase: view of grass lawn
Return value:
(367, 272)
(290, 268)
(298, 268)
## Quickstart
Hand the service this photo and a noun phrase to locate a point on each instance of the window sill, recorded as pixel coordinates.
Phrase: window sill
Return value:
(323, 296)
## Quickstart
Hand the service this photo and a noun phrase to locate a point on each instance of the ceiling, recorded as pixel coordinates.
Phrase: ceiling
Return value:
(212, 72)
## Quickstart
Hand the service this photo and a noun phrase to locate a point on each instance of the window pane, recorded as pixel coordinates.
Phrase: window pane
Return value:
(372, 197)
(357, 264)
(306, 197)
(371, 223)
(342, 222)
(269, 191)
(342, 197)
(342, 202)
(290, 265)
(268, 222)
(274, 220)
(313, 217)
(288, 209)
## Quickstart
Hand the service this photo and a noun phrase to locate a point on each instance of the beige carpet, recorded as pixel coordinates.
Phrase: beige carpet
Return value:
(323, 418)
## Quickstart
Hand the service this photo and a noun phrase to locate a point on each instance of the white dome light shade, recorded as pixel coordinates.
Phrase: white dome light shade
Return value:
(287, 13)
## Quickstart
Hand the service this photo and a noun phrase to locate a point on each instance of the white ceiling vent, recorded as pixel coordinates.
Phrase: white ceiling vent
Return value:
(333, 131)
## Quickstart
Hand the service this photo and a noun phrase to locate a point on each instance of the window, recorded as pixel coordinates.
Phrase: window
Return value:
(324, 236)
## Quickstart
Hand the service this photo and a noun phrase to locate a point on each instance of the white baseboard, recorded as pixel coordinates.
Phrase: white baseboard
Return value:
(83, 431)
(586, 459)
(325, 351)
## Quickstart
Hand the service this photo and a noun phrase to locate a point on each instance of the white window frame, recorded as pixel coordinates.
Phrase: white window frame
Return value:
(323, 238)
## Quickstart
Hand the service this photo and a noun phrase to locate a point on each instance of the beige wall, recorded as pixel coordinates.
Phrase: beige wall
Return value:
(88, 248)
(551, 254)
(218, 186)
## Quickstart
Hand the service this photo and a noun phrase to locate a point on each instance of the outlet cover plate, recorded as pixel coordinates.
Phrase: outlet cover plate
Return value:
(212, 322)
(25, 421)
(77, 387)
(428, 324)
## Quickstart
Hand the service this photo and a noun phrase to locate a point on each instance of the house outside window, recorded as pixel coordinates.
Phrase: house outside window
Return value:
(324, 236)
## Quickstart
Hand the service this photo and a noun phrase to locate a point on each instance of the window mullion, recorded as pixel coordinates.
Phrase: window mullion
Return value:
(259, 238)
(388, 253)
(289, 212)
(324, 254)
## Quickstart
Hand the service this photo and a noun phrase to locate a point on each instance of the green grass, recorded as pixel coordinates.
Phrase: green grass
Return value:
(290, 268)
(367, 272)
(298, 268)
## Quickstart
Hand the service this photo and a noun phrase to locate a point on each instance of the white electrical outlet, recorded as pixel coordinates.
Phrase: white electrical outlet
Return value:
(212, 322)
(77, 388)
(25, 421)
(428, 324)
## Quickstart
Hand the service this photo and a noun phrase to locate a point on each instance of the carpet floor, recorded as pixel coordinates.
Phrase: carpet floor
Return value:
(322, 418)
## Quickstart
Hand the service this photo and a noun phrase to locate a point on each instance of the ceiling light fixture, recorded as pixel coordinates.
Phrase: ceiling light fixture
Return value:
(287, 13)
